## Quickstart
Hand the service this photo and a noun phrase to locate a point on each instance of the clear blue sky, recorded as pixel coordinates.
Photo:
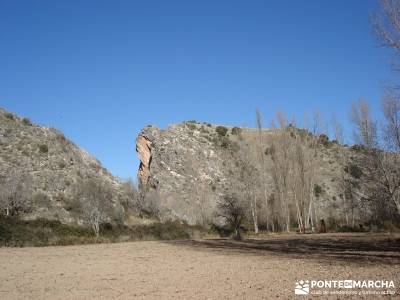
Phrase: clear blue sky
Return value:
(102, 70)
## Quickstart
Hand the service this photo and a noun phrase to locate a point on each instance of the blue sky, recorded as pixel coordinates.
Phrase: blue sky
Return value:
(102, 70)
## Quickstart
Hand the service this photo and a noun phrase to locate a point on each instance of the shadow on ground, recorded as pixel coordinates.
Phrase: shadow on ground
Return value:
(345, 248)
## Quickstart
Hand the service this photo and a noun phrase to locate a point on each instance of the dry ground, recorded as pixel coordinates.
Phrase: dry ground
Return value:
(202, 269)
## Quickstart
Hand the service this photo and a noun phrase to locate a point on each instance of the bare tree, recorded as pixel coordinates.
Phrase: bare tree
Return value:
(132, 199)
(310, 155)
(261, 155)
(386, 165)
(318, 126)
(249, 179)
(365, 132)
(337, 130)
(382, 168)
(310, 137)
(16, 192)
(344, 182)
(391, 129)
(303, 176)
(233, 211)
(389, 174)
(95, 198)
(296, 182)
(383, 181)
(294, 171)
(204, 211)
(280, 152)
(387, 24)
(152, 204)
(387, 27)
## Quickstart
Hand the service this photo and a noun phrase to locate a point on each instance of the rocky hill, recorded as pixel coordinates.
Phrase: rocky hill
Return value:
(186, 170)
(53, 166)
(189, 167)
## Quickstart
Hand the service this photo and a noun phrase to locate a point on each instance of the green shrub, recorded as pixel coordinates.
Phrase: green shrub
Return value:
(42, 232)
(269, 150)
(358, 147)
(317, 190)
(5, 232)
(203, 130)
(334, 142)
(169, 231)
(221, 130)
(236, 131)
(9, 116)
(43, 148)
(213, 187)
(354, 171)
(222, 231)
(191, 126)
(324, 139)
(347, 228)
(40, 199)
(106, 227)
(26, 121)
(390, 226)
(225, 142)
(234, 146)
(73, 205)
(331, 224)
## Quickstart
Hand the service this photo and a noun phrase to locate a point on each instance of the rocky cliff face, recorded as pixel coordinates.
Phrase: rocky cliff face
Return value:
(143, 148)
(54, 165)
(192, 166)
(179, 164)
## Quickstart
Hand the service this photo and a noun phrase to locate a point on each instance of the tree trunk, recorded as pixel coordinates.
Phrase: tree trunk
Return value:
(287, 219)
(266, 206)
(254, 214)
(255, 225)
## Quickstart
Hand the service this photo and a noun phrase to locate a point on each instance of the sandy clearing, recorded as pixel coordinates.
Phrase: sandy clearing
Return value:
(205, 269)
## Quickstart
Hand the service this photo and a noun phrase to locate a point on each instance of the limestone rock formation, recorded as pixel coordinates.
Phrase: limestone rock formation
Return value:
(143, 148)
(192, 166)
(54, 164)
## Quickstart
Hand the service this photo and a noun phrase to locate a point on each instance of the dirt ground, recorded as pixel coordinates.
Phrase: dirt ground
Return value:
(200, 269)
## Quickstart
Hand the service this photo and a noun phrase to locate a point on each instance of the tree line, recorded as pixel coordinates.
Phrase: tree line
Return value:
(279, 176)
(295, 190)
